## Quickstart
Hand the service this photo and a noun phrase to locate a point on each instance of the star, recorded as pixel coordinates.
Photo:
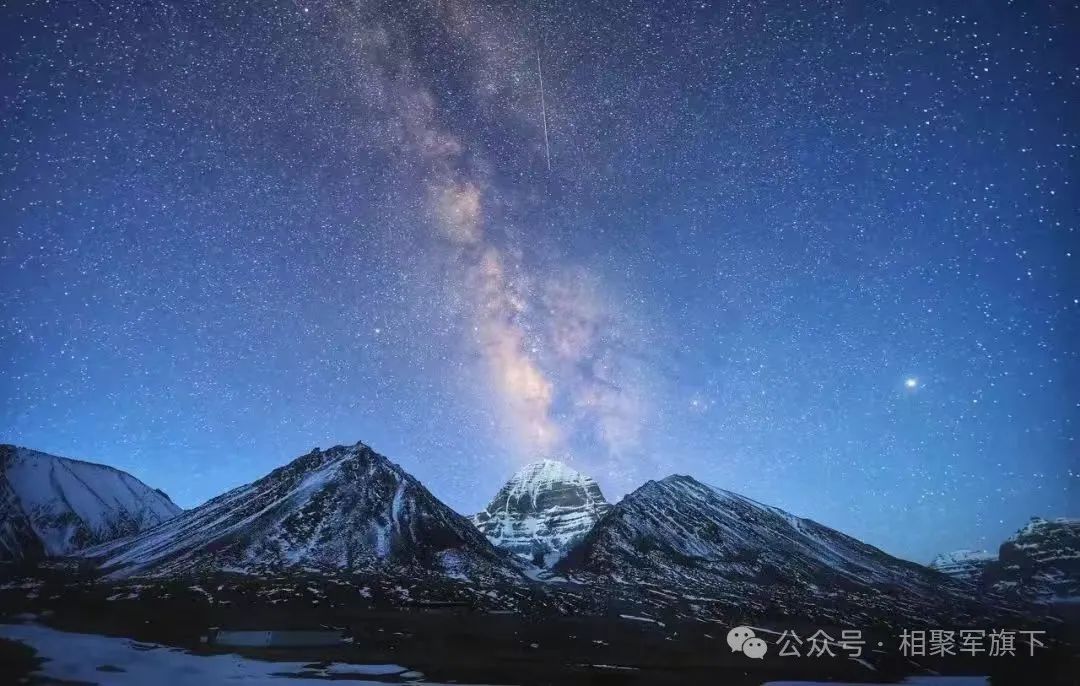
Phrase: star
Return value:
(911, 383)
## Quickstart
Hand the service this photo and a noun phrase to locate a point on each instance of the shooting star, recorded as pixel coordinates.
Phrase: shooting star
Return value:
(543, 110)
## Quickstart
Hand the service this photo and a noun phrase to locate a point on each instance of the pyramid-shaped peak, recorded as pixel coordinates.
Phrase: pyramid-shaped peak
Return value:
(543, 509)
(343, 508)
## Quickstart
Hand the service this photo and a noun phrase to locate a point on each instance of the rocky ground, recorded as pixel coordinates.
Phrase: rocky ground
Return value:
(545, 638)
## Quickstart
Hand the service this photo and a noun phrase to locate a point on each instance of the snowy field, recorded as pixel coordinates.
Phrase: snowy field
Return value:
(105, 660)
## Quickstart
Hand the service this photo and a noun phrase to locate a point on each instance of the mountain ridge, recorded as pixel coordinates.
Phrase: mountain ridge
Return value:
(724, 548)
(672, 546)
(53, 505)
(346, 507)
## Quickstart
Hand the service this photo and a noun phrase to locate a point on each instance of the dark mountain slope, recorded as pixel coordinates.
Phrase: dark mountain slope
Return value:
(343, 509)
(713, 547)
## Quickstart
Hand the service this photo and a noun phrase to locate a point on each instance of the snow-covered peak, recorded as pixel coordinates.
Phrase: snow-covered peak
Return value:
(963, 555)
(54, 505)
(966, 565)
(542, 510)
(1037, 524)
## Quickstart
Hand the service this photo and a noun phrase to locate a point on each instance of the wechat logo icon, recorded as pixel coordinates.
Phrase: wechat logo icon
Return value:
(742, 640)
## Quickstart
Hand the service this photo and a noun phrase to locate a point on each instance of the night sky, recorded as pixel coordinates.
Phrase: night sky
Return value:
(821, 254)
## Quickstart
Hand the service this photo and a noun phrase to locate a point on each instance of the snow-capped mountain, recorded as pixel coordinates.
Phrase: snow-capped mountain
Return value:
(52, 506)
(679, 538)
(964, 565)
(1040, 562)
(543, 510)
(342, 509)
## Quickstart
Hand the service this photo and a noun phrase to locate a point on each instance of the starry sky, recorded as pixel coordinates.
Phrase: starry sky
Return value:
(821, 254)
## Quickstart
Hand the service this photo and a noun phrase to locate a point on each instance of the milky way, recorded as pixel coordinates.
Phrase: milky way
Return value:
(821, 255)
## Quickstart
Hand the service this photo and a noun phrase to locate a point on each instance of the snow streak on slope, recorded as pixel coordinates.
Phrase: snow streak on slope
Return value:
(679, 534)
(543, 510)
(52, 505)
(346, 508)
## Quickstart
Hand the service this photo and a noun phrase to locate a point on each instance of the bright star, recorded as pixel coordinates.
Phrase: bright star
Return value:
(911, 382)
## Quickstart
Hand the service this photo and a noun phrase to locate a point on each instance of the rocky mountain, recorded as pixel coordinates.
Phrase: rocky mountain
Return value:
(721, 553)
(964, 565)
(1039, 563)
(342, 509)
(51, 506)
(542, 511)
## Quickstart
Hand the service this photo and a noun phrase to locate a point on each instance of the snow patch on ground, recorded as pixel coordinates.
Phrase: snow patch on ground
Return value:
(81, 657)
(635, 618)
